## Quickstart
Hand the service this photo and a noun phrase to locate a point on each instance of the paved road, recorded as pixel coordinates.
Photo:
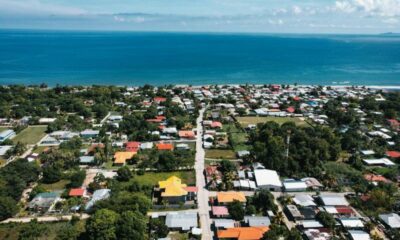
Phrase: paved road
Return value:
(203, 194)
(164, 213)
(45, 218)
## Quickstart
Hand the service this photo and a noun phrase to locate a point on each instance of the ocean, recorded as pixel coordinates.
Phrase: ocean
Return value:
(137, 58)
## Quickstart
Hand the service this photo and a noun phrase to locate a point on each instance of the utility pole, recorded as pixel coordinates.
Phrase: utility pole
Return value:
(288, 144)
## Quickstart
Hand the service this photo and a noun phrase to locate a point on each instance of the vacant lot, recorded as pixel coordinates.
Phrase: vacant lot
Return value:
(245, 121)
(152, 178)
(30, 135)
(57, 186)
(220, 154)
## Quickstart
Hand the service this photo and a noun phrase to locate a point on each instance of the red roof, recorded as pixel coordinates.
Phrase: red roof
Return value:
(375, 178)
(160, 99)
(191, 189)
(77, 192)
(344, 210)
(216, 124)
(220, 211)
(290, 109)
(296, 98)
(132, 146)
(393, 154)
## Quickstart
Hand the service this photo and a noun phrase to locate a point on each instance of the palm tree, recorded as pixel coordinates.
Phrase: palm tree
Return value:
(278, 219)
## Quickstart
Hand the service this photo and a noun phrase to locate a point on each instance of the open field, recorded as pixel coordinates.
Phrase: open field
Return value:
(220, 154)
(11, 231)
(57, 186)
(245, 121)
(152, 178)
(31, 135)
(4, 128)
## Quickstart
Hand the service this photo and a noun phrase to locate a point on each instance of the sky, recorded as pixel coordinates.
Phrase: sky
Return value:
(263, 16)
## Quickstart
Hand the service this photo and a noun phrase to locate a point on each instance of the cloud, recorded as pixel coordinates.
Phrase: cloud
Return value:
(297, 10)
(345, 6)
(35, 7)
(382, 8)
(391, 20)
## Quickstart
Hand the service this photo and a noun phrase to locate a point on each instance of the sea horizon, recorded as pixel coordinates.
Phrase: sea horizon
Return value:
(135, 58)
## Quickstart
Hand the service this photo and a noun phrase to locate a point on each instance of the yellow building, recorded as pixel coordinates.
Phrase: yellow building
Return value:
(174, 191)
(121, 157)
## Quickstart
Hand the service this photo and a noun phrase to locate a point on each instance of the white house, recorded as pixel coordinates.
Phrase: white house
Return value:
(268, 179)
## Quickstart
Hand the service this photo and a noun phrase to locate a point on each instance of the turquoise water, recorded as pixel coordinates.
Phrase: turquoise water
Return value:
(128, 58)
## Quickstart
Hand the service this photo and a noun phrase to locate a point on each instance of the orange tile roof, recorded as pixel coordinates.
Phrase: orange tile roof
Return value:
(375, 178)
(186, 134)
(165, 146)
(243, 233)
(393, 154)
(76, 192)
(121, 157)
(227, 197)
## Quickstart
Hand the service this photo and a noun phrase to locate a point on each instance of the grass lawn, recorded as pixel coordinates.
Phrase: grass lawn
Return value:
(178, 236)
(220, 154)
(245, 121)
(11, 231)
(57, 186)
(4, 128)
(39, 149)
(152, 178)
(31, 135)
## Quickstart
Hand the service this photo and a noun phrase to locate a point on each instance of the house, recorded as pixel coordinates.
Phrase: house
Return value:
(224, 198)
(77, 192)
(186, 134)
(181, 221)
(132, 146)
(174, 191)
(120, 158)
(99, 194)
(224, 223)
(146, 145)
(182, 146)
(47, 120)
(310, 224)
(268, 179)
(293, 212)
(242, 233)
(44, 202)
(359, 235)
(86, 160)
(317, 234)
(257, 221)
(165, 146)
(291, 185)
(351, 223)
(6, 134)
(376, 178)
(391, 220)
(333, 200)
(88, 133)
(312, 183)
(393, 154)
(243, 153)
(219, 211)
(304, 200)
(379, 162)
(4, 149)
(216, 124)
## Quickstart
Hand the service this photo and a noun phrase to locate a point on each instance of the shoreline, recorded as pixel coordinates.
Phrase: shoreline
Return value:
(393, 87)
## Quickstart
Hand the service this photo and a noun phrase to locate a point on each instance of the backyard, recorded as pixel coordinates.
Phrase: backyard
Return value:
(152, 178)
(245, 121)
(31, 135)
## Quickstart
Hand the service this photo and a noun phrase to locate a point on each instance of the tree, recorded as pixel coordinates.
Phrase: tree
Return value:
(32, 230)
(159, 228)
(131, 225)
(236, 210)
(69, 232)
(51, 174)
(8, 207)
(276, 232)
(77, 179)
(101, 225)
(263, 201)
(326, 219)
(124, 174)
